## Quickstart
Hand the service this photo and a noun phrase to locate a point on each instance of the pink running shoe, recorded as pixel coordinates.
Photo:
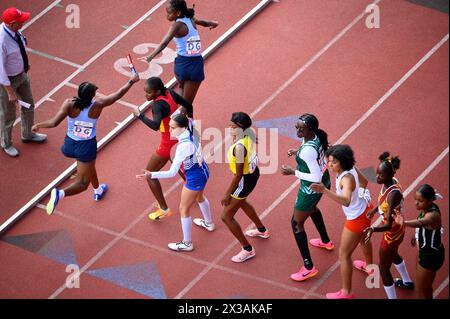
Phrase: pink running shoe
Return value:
(256, 233)
(243, 256)
(339, 295)
(304, 274)
(361, 265)
(317, 242)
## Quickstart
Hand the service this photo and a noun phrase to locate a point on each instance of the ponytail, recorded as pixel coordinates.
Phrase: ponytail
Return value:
(313, 123)
(393, 163)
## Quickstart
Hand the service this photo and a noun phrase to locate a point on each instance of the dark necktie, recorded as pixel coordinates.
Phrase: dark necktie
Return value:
(23, 52)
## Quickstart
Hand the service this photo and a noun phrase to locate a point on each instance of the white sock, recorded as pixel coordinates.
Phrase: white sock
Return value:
(98, 190)
(206, 211)
(186, 223)
(401, 268)
(390, 292)
(61, 193)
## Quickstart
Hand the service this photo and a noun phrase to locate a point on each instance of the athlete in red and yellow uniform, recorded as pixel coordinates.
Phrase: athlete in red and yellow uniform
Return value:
(389, 201)
(165, 103)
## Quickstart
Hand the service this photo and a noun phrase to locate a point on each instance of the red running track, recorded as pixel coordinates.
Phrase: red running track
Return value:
(324, 61)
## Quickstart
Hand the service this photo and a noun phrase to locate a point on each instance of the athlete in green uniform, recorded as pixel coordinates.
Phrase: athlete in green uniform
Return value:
(311, 168)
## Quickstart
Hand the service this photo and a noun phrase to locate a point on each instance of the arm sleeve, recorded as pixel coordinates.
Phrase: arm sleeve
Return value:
(4, 80)
(309, 155)
(183, 102)
(157, 116)
(183, 151)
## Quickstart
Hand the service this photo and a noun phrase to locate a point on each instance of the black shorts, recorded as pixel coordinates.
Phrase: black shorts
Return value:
(83, 151)
(432, 259)
(246, 185)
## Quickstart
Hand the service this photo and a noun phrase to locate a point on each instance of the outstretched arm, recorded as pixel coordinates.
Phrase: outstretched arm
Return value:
(165, 41)
(110, 99)
(58, 118)
(206, 23)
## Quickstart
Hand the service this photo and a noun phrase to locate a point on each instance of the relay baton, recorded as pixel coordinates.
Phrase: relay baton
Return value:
(131, 65)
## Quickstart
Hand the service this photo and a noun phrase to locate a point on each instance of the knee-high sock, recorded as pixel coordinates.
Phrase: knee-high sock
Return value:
(186, 223)
(302, 242)
(206, 211)
(390, 291)
(401, 268)
(320, 225)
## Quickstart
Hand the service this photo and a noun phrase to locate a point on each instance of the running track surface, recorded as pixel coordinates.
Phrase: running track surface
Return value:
(374, 89)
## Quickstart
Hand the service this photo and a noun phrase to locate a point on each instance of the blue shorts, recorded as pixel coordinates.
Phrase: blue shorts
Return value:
(189, 68)
(197, 177)
(83, 151)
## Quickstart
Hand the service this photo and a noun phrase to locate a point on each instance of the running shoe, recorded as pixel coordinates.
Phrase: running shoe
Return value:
(98, 197)
(304, 274)
(256, 233)
(201, 223)
(339, 295)
(181, 246)
(317, 242)
(243, 255)
(405, 285)
(159, 214)
(54, 199)
(361, 265)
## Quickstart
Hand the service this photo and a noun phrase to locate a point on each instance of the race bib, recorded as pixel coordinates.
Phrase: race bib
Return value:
(82, 129)
(193, 45)
(253, 163)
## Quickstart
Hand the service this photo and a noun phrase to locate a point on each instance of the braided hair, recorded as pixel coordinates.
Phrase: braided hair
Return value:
(180, 5)
(313, 124)
(392, 164)
(86, 92)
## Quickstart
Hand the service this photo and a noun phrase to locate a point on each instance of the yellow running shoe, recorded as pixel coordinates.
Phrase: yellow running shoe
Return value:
(159, 214)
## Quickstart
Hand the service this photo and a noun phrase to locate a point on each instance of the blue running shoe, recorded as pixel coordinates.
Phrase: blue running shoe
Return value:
(54, 199)
(98, 197)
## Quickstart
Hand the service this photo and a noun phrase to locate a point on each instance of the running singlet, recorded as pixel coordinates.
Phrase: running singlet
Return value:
(429, 239)
(164, 127)
(396, 232)
(189, 45)
(302, 166)
(82, 127)
(250, 160)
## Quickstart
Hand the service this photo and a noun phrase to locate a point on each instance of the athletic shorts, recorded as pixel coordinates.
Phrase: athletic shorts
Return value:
(307, 202)
(189, 68)
(432, 259)
(197, 178)
(360, 223)
(165, 146)
(392, 241)
(246, 185)
(83, 151)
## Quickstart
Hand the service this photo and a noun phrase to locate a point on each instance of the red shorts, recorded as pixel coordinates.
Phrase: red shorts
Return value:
(165, 146)
(360, 223)
(391, 241)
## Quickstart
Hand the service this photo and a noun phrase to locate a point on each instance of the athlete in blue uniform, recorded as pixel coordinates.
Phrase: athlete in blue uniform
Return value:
(80, 142)
(189, 62)
(189, 158)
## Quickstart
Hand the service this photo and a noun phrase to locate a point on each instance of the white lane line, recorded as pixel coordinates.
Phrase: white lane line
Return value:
(97, 55)
(40, 14)
(411, 187)
(440, 288)
(293, 186)
(175, 254)
(300, 71)
(207, 52)
(54, 58)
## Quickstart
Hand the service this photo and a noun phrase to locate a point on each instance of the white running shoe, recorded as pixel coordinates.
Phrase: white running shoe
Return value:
(201, 222)
(181, 246)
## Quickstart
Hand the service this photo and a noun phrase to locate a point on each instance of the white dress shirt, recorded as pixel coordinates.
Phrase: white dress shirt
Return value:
(11, 61)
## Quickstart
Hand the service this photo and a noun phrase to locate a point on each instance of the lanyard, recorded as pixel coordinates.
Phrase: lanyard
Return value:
(13, 37)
